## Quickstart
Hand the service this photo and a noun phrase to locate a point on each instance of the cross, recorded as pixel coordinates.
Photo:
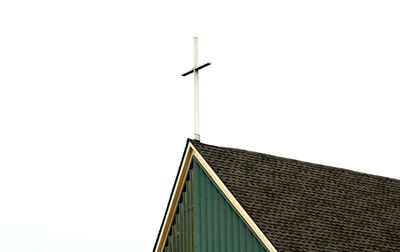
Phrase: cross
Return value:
(195, 71)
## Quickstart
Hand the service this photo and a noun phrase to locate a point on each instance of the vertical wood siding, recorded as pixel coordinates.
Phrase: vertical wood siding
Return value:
(217, 226)
(180, 237)
(205, 221)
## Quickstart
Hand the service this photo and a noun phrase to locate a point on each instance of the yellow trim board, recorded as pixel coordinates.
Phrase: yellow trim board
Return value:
(174, 199)
(189, 153)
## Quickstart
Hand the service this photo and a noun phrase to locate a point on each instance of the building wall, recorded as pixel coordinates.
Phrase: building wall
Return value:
(218, 228)
(180, 236)
(206, 222)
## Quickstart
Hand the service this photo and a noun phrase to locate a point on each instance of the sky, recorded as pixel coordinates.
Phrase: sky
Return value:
(94, 114)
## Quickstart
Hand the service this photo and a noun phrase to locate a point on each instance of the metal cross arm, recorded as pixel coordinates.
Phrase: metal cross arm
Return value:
(196, 69)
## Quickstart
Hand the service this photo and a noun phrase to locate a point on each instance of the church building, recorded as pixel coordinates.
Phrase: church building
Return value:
(232, 200)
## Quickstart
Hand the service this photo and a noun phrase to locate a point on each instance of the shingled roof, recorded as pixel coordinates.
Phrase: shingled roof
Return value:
(302, 206)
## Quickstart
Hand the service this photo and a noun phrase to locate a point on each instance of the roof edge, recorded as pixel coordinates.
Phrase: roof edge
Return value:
(162, 227)
(300, 161)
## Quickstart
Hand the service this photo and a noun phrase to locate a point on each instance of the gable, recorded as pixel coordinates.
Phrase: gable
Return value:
(203, 215)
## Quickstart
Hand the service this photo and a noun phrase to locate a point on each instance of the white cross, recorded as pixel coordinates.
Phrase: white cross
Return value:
(195, 71)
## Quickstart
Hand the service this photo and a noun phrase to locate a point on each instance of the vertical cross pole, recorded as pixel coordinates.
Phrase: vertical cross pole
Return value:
(196, 91)
(195, 71)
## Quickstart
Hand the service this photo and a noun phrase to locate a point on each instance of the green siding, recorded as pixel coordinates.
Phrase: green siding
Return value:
(206, 222)
(180, 237)
(218, 227)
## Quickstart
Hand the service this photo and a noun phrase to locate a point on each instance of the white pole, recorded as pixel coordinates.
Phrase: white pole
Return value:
(196, 91)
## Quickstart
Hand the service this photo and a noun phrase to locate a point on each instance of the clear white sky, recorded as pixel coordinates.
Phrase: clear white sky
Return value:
(94, 114)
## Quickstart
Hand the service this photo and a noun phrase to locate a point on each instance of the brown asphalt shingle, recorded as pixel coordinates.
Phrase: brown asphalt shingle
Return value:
(302, 206)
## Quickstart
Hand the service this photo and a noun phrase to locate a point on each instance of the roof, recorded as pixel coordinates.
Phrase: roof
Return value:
(302, 206)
